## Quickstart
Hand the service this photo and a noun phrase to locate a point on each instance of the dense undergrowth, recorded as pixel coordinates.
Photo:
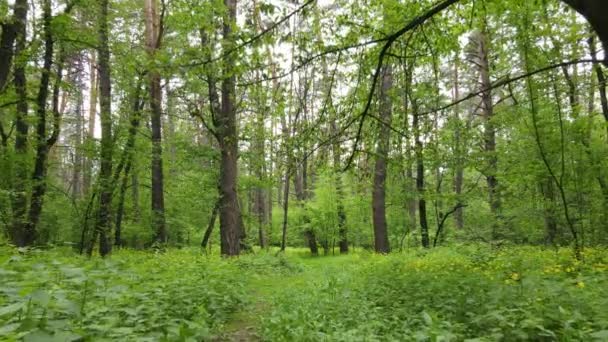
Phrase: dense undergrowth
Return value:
(447, 294)
(55, 295)
(464, 293)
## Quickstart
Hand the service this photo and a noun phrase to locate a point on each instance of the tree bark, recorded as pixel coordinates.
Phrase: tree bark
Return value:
(7, 40)
(381, 242)
(285, 212)
(76, 80)
(42, 144)
(424, 227)
(153, 37)
(459, 151)
(93, 98)
(230, 227)
(482, 64)
(19, 198)
(211, 224)
(127, 158)
(103, 224)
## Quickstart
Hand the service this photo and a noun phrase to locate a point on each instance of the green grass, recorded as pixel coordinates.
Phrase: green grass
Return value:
(447, 294)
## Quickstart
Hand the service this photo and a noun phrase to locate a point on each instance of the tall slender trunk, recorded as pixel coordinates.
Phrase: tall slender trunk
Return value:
(170, 125)
(285, 212)
(7, 40)
(424, 228)
(103, 224)
(153, 37)
(121, 205)
(93, 97)
(19, 196)
(381, 242)
(78, 137)
(328, 83)
(230, 217)
(459, 151)
(127, 159)
(481, 55)
(342, 229)
(42, 144)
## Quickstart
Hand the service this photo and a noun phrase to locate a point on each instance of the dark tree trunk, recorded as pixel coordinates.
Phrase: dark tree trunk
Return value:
(311, 239)
(381, 242)
(424, 227)
(481, 62)
(459, 151)
(7, 40)
(549, 211)
(601, 79)
(211, 224)
(121, 205)
(595, 13)
(127, 159)
(153, 37)
(19, 198)
(103, 225)
(135, 193)
(42, 144)
(285, 212)
(230, 217)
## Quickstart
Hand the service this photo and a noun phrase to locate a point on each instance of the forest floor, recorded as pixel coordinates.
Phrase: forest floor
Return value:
(264, 289)
(445, 294)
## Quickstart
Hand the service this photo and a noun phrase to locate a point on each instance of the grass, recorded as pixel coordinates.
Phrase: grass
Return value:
(448, 294)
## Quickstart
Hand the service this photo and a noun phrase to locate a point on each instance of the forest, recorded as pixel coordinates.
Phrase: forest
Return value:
(303, 170)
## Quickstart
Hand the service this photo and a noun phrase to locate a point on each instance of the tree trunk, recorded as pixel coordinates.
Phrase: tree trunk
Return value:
(42, 144)
(19, 198)
(549, 211)
(285, 212)
(211, 224)
(482, 64)
(94, 85)
(103, 224)
(121, 205)
(594, 11)
(78, 138)
(127, 159)
(381, 242)
(342, 229)
(424, 228)
(7, 41)
(228, 139)
(459, 151)
(153, 37)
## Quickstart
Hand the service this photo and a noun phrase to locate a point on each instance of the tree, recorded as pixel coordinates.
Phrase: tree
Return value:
(17, 232)
(154, 34)
(381, 243)
(103, 223)
(230, 212)
(479, 57)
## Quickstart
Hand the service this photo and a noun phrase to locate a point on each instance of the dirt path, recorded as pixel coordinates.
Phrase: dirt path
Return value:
(244, 325)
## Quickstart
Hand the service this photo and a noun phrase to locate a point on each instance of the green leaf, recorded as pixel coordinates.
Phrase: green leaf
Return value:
(9, 328)
(11, 309)
(601, 335)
